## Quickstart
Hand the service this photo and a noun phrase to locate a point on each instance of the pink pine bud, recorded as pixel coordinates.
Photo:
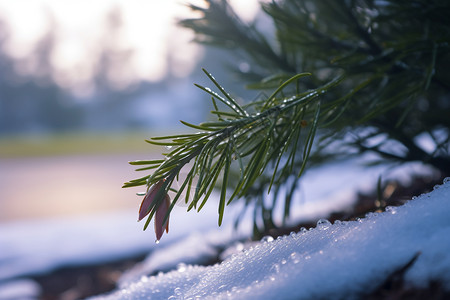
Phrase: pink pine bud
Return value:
(159, 218)
(148, 199)
(161, 211)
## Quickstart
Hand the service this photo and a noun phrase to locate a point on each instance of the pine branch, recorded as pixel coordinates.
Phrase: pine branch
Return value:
(248, 141)
(382, 67)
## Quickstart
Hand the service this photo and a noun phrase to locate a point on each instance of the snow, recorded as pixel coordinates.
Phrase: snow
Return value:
(341, 260)
(363, 250)
(19, 289)
(39, 246)
(197, 248)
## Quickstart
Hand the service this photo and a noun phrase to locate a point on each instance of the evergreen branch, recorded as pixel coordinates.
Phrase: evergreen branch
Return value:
(254, 140)
(395, 59)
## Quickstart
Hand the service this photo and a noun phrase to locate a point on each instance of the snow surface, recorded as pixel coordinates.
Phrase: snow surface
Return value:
(41, 246)
(340, 260)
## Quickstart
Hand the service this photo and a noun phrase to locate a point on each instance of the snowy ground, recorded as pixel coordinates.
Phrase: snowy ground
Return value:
(293, 266)
(340, 260)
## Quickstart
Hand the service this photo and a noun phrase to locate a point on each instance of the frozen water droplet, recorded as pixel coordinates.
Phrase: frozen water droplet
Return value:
(436, 186)
(283, 261)
(303, 230)
(239, 246)
(294, 257)
(323, 224)
(370, 215)
(446, 179)
(156, 241)
(267, 239)
(177, 291)
(181, 267)
(293, 234)
(337, 222)
(276, 268)
(391, 209)
(359, 220)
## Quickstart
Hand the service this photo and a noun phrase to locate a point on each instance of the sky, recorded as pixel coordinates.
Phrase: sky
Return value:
(141, 32)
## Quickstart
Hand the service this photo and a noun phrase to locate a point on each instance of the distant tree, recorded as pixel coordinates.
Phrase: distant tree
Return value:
(336, 78)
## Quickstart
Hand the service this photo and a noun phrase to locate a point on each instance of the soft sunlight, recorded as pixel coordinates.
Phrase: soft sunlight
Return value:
(136, 40)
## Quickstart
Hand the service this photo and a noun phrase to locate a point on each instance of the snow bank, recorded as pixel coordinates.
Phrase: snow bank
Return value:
(22, 289)
(40, 246)
(196, 248)
(341, 260)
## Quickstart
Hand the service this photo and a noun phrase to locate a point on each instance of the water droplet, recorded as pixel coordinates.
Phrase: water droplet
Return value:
(283, 261)
(276, 268)
(239, 247)
(181, 267)
(267, 239)
(436, 186)
(294, 257)
(338, 222)
(391, 209)
(446, 179)
(177, 291)
(323, 224)
(156, 241)
(303, 230)
(370, 215)
(293, 234)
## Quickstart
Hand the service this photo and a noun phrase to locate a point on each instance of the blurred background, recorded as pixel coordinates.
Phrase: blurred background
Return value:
(82, 85)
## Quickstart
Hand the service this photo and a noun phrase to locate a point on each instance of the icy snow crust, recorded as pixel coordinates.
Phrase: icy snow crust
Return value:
(341, 260)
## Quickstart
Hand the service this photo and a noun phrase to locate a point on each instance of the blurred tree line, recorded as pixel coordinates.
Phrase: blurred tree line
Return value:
(34, 102)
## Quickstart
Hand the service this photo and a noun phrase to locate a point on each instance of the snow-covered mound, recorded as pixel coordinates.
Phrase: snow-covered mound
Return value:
(341, 260)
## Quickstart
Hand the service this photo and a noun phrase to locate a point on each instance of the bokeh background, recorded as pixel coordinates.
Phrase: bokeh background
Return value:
(82, 85)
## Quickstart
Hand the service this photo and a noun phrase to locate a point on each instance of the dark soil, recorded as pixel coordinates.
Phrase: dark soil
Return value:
(83, 281)
(80, 282)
